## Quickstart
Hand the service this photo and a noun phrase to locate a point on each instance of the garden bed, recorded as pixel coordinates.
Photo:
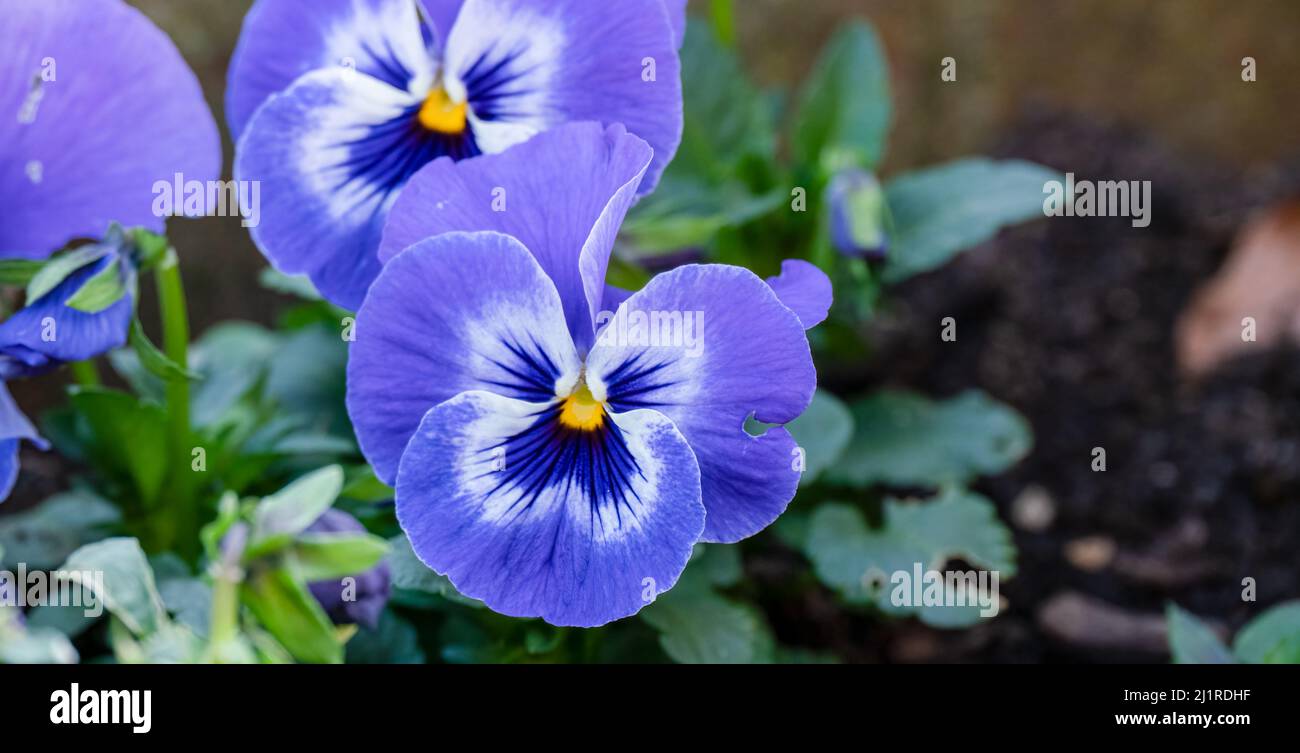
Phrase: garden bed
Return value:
(1071, 321)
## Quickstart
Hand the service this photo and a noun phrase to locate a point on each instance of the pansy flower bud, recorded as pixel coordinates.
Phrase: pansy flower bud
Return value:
(858, 215)
(357, 599)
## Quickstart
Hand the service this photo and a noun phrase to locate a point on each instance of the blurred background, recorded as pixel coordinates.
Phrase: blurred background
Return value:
(1100, 334)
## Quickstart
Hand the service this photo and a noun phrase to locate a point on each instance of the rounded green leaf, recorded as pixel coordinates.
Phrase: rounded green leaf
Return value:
(1273, 637)
(905, 439)
(941, 211)
(844, 108)
(822, 432)
(1192, 641)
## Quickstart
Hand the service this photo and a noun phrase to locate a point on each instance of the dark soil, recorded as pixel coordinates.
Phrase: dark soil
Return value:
(1071, 321)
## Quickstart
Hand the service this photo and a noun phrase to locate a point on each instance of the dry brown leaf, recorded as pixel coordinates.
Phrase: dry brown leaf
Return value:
(1259, 280)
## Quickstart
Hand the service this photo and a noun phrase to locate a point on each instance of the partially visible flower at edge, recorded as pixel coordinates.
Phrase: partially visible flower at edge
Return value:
(336, 105)
(96, 105)
(14, 427)
(546, 471)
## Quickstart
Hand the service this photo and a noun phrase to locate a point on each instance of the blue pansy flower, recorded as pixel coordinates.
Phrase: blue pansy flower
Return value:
(96, 106)
(336, 103)
(551, 456)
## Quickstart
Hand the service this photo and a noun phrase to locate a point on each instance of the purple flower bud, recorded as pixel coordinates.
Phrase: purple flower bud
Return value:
(357, 599)
(858, 215)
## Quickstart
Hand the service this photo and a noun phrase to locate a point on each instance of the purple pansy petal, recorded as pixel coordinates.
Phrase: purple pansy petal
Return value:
(330, 155)
(459, 312)
(750, 356)
(553, 531)
(677, 17)
(804, 289)
(284, 39)
(528, 65)
(46, 332)
(441, 14)
(563, 194)
(85, 149)
(19, 361)
(14, 426)
(8, 467)
(368, 590)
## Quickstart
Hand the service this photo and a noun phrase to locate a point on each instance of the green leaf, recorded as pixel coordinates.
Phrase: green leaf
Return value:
(365, 486)
(697, 626)
(70, 620)
(726, 121)
(171, 644)
(539, 640)
(187, 598)
(393, 641)
(307, 378)
(688, 213)
(1271, 638)
(153, 359)
(861, 562)
(325, 556)
(299, 286)
(409, 574)
(284, 606)
(32, 645)
(940, 211)
(904, 439)
(283, 515)
(190, 601)
(844, 108)
(1192, 641)
(823, 431)
(126, 436)
(19, 271)
(232, 358)
(717, 564)
(464, 641)
(150, 247)
(102, 290)
(44, 536)
(117, 571)
(725, 116)
(312, 443)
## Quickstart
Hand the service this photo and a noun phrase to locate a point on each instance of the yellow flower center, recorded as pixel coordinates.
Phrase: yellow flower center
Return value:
(581, 410)
(439, 113)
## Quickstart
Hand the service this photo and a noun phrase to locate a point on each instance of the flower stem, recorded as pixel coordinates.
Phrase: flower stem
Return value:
(86, 373)
(723, 14)
(176, 340)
